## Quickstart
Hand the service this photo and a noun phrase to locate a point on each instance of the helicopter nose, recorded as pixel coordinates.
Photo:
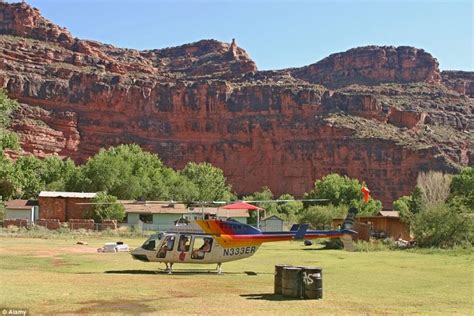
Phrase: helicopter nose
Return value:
(138, 254)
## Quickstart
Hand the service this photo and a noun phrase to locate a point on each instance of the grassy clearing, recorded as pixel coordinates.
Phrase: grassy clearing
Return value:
(57, 276)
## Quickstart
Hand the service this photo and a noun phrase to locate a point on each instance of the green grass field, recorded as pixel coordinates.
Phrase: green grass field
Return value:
(57, 276)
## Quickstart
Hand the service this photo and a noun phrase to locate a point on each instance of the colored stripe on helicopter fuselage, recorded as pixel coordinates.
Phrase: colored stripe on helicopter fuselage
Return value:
(227, 237)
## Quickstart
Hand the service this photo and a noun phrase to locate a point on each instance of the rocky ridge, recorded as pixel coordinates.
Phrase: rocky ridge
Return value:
(381, 114)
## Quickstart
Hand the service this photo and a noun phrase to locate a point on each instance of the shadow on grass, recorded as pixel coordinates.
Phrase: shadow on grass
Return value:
(132, 272)
(268, 297)
(180, 272)
(318, 249)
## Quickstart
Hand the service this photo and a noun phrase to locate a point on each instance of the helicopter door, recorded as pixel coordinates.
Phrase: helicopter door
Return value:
(184, 245)
(202, 247)
(166, 249)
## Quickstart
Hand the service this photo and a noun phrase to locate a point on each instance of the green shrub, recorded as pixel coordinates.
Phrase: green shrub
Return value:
(373, 245)
(444, 226)
(107, 207)
(320, 217)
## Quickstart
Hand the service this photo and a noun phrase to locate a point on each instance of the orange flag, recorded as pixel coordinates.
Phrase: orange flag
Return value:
(366, 193)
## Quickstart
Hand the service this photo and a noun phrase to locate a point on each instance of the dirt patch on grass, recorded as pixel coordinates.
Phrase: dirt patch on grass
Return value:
(59, 262)
(123, 306)
(75, 249)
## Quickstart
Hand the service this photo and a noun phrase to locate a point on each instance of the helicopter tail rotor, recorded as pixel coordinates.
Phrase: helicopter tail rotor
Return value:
(347, 239)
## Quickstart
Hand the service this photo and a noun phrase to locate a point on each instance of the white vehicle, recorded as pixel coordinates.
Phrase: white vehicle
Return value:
(114, 247)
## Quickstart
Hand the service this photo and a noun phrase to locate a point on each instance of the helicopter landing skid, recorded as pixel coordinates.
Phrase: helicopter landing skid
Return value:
(169, 268)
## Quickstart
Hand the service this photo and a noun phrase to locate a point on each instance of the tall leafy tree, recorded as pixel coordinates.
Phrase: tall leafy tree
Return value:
(208, 180)
(462, 188)
(289, 210)
(265, 194)
(125, 171)
(28, 170)
(342, 190)
(56, 172)
(8, 139)
(9, 182)
(106, 207)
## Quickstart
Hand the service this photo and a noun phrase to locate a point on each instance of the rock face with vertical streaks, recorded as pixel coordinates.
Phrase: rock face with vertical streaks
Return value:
(380, 114)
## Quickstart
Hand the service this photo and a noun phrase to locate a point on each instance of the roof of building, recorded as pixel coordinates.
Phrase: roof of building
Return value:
(221, 212)
(151, 208)
(389, 213)
(381, 214)
(272, 217)
(80, 195)
(20, 204)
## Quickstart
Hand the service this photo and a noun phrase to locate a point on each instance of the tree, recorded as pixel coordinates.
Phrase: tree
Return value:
(409, 205)
(208, 180)
(289, 210)
(56, 173)
(265, 194)
(9, 183)
(106, 208)
(125, 171)
(320, 217)
(8, 139)
(402, 206)
(434, 187)
(462, 188)
(28, 171)
(342, 190)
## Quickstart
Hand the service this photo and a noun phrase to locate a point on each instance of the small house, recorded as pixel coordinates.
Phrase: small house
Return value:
(162, 217)
(271, 223)
(151, 216)
(21, 209)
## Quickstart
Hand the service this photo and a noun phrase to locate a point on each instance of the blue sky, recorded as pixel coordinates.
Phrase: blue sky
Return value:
(277, 34)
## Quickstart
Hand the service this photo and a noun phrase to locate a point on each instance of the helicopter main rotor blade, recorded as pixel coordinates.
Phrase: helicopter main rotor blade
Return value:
(286, 201)
(199, 203)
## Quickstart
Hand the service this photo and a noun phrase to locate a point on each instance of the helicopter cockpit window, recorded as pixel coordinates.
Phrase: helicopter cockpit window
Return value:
(151, 243)
(201, 246)
(184, 243)
(166, 245)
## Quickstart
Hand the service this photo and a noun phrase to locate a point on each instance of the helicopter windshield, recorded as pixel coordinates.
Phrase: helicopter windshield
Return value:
(152, 242)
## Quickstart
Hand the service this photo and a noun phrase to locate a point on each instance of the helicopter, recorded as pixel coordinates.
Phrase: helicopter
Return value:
(214, 241)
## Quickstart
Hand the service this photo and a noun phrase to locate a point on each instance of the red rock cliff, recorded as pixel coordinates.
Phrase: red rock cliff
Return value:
(389, 117)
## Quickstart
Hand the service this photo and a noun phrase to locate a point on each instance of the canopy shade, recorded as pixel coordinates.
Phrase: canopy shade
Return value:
(242, 205)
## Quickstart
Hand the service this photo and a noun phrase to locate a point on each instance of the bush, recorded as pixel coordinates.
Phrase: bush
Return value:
(333, 243)
(320, 217)
(373, 245)
(462, 188)
(107, 207)
(443, 226)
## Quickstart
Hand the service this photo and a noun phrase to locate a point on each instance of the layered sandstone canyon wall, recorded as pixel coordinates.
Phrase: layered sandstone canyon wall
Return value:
(380, 114)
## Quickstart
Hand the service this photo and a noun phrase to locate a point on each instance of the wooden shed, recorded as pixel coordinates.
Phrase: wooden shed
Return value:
(384, 224)
(64, 205)
(271, 223)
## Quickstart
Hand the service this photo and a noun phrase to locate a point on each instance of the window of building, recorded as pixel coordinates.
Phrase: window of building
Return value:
(146, 218)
